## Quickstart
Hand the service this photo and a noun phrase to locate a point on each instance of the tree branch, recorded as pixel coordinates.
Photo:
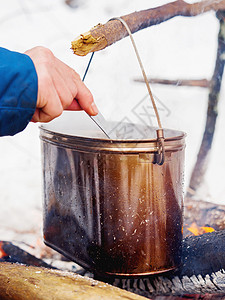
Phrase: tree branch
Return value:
(204, 83)
(212, 113)
(102, 36)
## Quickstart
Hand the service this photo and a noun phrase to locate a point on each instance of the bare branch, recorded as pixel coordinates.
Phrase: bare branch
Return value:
(201, 164)
(102, 36)
(204, 83)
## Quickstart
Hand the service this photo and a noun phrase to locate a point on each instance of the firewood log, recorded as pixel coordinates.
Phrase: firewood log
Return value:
(20, 282)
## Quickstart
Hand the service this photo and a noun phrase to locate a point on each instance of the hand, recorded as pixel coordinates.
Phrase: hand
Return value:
(58, 87)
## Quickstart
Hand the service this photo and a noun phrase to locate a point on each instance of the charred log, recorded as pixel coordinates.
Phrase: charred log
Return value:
(201, 272)
(11, 253)
(203, 262)
(201, 275)
(203, 254)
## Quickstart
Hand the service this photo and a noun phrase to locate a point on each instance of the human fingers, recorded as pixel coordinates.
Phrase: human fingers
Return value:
(65, 91)
(67, 88)
(85, 99)
(78, 89)
(74, 106)
(58, 86)
(49, 104)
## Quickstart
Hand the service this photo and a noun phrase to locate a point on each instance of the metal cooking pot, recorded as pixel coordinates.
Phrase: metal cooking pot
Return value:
(107, 205)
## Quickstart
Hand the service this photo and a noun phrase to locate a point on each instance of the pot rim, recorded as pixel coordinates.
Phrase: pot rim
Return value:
(88, 144)
(107, 140)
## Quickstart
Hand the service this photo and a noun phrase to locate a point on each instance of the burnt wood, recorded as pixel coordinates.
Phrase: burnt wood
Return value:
(201, 275)
(203, 254)
(201, 272)
(203, 261)
(11, 253)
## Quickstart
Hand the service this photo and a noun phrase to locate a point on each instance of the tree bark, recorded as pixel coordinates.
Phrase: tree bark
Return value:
(19, 282)
(11, 253)
(102, 36)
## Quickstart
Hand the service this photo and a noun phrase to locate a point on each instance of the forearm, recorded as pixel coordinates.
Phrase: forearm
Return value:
(18, 91)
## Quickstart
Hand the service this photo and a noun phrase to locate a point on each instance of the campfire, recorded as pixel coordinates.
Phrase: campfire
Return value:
(202, 260)
(200, 275)
(3, 255)
(197, 230)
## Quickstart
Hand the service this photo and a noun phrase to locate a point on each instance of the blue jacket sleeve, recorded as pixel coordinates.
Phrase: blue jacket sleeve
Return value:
(18, 91)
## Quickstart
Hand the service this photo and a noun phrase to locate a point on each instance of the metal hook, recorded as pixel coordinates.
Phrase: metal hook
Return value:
(161, 148)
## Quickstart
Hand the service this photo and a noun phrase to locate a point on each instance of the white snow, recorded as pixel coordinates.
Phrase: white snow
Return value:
(179, 48)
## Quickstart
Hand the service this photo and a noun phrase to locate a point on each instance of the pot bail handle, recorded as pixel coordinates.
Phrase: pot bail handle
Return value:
(161, 147)
(160, 134)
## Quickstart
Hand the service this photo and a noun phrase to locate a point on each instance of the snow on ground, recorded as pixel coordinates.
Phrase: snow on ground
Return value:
(179, 48)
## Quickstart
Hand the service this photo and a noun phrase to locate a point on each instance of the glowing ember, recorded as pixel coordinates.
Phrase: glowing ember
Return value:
(208, 229)
(2, 252)
(197, 230)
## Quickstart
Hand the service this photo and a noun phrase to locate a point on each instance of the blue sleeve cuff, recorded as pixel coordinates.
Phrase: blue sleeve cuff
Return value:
(18, 91)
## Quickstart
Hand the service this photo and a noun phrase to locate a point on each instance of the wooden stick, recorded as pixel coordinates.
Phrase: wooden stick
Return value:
(201, 164)
(102, 36)
(204, 83)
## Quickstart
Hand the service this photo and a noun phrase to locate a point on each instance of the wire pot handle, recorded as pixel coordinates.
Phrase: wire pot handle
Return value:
(160, 157)
(160, 134)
